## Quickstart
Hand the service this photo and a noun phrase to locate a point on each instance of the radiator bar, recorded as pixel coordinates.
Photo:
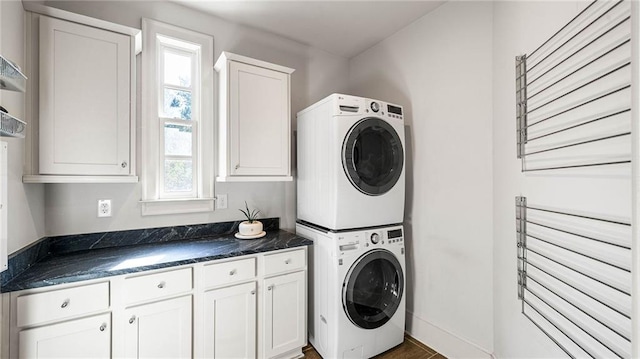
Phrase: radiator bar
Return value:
(577, 166)
(580, 290)
(580, 309)
(580, 216)
(573, 322)
(579, 272)
(549, 335)
(579, 253)
(580, 124)
(580, 235)
(586, 142)
(576, 34)
(558, 328)
(564, 27)
(580, 49)
(613, 92)
(628, 63)
(578, 69)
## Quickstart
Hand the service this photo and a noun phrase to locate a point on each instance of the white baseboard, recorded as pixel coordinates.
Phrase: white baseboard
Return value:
(442, 341)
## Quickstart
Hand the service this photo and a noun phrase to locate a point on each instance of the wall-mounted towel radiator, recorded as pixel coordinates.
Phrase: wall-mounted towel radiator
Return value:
(575, 115)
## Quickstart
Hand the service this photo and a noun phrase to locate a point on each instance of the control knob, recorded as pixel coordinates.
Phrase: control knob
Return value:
(375, 107)
(375, 238)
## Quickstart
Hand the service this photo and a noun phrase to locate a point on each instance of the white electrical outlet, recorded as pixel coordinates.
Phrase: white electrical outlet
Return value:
(221, 201)
(104, 208)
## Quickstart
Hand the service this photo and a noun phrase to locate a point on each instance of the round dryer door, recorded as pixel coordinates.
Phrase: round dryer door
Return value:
(373, 289)
(372, 156)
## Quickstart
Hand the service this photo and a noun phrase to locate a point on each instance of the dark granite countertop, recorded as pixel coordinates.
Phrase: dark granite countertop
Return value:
(73, 266)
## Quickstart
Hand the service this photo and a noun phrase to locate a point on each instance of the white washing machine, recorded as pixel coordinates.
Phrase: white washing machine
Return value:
(351, 163)
(356, 291)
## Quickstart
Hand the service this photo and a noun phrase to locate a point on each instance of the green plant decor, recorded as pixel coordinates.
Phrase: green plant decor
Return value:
(252, 215)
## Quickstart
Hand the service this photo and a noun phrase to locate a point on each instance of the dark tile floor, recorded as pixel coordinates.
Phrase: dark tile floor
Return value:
(409, 349)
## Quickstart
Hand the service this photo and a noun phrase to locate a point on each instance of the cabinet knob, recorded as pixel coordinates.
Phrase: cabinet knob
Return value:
(287, 261)
(237, 166)
(253, 292)
(65, 303)
(124, 164)
(161, 285)
(132, 319)
(103, 327)
(232, 272)
(270, 287)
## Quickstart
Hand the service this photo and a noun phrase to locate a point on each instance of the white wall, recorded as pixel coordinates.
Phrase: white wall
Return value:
(439, 69)
(518, 28)
(25, 202)
(72, 208)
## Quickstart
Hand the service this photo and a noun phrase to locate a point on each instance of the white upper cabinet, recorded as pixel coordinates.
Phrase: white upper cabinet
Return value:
(254, 120)
(84, 100)
(83, 111)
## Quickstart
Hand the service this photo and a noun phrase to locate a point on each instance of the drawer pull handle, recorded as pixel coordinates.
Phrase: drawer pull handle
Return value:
(65, 303)
(253, 292)
(103, 327)
(132, 319)
(161, 285)
(232, 272)
(287, 261)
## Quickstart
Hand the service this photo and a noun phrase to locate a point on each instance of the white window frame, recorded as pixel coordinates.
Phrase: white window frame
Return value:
(159, 37)
(164, 46)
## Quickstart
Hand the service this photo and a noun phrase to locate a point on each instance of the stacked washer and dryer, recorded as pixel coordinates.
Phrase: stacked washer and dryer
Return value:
(351, 192)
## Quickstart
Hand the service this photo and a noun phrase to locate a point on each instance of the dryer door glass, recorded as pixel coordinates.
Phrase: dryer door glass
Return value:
(373, 289)
(372, 156)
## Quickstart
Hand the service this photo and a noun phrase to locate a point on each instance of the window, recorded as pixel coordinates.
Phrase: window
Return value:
(177, 132)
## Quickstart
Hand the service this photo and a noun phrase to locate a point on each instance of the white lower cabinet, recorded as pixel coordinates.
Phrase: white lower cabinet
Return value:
(81, 338)
(251, 306)
(159, 330)
(285, 313)
(230, 322)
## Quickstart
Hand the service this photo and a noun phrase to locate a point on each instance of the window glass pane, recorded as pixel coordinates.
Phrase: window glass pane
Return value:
(177, 104)
(177, 140)
(177, 69)
(178, 176)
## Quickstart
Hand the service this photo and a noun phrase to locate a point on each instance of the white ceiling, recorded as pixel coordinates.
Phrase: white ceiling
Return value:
(344, 28)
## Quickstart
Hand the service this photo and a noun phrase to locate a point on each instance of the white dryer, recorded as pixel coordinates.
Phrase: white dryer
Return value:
(356, 295)
(351, 163)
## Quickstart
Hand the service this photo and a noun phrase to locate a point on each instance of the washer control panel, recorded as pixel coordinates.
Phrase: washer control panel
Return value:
(384, 236)
(355, 242)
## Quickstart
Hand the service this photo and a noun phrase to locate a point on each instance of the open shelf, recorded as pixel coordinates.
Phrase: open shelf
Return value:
(11, 78)
(11, 126)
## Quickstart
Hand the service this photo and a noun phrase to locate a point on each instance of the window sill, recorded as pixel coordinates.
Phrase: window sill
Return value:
(175, 206)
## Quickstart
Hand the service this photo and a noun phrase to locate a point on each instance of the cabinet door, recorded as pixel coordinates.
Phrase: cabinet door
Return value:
(259, 121)
(84, 99)
(81, 338)
(285, 313)
(159, 330)
(230, 322)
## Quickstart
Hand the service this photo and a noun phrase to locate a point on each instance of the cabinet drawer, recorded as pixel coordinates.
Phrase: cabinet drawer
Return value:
(229, 272)
(282, 262)
(157, 285)
(61, 304)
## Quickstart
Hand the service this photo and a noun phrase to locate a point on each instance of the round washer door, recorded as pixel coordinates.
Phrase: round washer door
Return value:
(372, 156)
(372, 289)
